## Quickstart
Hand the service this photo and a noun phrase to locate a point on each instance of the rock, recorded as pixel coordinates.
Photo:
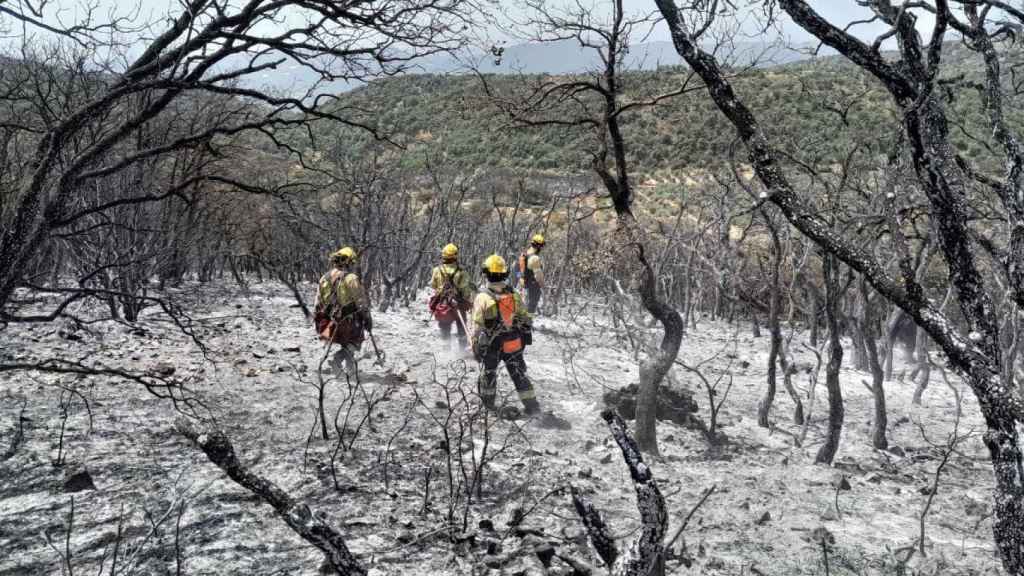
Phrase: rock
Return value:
(764, 519)
(545, 553)
(842, 483)
(897, 451)
(292, 349)
(440, 405)
(674, 405)
(78, 480)
(585, 473)
(925, 490)
(515, 516)
(164, 369)
(497, 561)
(282, 367)
(821, 535)
(406, 536)
(486, 524)
(830, 514)
(492, 545)
(251, 373)
(607, 458)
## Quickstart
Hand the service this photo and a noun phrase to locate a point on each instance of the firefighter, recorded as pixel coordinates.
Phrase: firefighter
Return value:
(531, 273)
(501, 330)
(342, 313)
(453, 295)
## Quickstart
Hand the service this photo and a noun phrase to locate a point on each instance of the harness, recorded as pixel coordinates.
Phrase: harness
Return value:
(503, 324)
(331, 308)
(449, 292)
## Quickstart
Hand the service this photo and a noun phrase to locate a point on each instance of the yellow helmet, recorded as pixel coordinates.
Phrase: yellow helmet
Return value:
(537, 240)
(344, 256)
(449, 253)
(495, 264)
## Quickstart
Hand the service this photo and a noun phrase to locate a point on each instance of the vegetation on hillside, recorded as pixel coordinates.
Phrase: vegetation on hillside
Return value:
(819, 108)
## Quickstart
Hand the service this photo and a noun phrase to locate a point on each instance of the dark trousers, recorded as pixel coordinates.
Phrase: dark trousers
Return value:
(533, 294)
(515, 363)
(446, 330)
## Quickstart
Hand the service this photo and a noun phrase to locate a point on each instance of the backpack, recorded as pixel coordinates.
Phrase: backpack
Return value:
(447, 302)
(504, 322)
(523, 271)
(342, 326)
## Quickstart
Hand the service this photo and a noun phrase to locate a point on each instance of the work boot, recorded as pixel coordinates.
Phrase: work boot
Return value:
(531, 406)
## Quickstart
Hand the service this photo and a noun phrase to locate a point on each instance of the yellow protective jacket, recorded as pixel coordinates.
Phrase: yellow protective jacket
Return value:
(492, 324)
(349, 295)
(451, 274)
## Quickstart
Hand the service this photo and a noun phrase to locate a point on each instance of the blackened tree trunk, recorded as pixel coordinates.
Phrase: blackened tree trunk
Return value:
(591, 102)
(835, 361)
(869, 329)
(976, 355)
(923, 373)
(764, 407)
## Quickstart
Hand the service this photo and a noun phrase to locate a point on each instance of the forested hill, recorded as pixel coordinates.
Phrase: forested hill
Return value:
(820, 108)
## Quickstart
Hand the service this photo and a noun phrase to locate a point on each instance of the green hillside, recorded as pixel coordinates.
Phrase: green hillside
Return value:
(817, 108)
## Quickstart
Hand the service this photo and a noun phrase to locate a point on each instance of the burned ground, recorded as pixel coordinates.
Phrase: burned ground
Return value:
(178, 513)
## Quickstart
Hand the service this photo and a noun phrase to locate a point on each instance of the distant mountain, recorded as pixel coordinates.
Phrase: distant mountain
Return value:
(561, 57)
(821, 106)
(566, 57)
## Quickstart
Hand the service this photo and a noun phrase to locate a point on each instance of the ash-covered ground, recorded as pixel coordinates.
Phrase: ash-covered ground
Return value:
(147, 501)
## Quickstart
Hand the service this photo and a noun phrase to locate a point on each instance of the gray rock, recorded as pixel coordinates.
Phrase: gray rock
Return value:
(78, 480)
(165, 369)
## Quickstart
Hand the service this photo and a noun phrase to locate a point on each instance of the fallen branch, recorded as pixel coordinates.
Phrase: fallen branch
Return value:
(310, 526)
(647, 548)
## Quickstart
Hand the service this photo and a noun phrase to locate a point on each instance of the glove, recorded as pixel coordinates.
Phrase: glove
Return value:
(367, 321)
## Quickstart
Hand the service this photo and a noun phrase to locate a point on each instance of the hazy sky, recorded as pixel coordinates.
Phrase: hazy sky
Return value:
(838, 11)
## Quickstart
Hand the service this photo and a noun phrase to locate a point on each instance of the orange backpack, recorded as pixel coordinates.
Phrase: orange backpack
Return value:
(506, 304)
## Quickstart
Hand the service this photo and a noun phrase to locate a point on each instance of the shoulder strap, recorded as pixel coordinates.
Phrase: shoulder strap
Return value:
(332, 298)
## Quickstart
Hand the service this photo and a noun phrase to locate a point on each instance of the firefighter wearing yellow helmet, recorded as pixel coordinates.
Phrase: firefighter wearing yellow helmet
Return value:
(453, 295)
(342, 310)
(501, 329)
(531, 273)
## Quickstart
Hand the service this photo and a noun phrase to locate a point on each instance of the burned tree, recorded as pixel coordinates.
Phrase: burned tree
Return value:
(945, 179)
(594, 102)
(86, 125)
